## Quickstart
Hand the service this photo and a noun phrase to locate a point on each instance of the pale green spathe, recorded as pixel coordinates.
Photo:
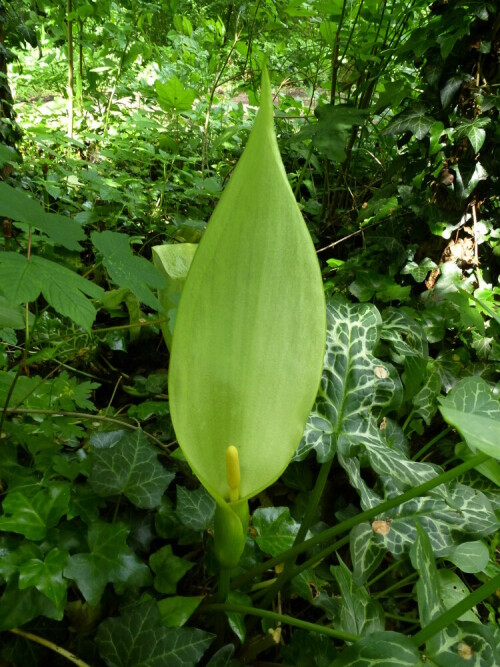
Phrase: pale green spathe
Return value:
(249, 337)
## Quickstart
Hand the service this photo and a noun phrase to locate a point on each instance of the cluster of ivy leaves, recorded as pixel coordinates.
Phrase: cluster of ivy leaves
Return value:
(105, 535)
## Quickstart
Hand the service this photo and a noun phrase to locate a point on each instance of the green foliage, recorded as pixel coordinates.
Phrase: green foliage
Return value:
(378, 545)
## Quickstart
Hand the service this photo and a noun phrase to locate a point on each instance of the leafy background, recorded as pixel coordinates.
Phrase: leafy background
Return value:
(387, 119)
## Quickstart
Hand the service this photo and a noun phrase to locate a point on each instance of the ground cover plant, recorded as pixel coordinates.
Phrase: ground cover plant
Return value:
(370, 533)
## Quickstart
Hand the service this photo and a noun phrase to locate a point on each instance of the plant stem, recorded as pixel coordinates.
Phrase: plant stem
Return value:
(451, 615)
(432, 442)
(224, 583)
(48, 644)
(346, 525)
(281, 618)
(399, 584)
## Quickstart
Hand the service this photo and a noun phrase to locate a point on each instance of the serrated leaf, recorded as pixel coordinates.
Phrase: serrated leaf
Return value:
(137, 639)
(276, 530)
(125, 462)
(17, 205)
(359, 613)
(413, 119)
(195, 509)
(109, 560)
(168, 568)
(249, 335)
(173, 261)
(175, 611)
(126, 269)
(33, 515)
(471, 408)
(173, 96)
(381, 649)
(23, 280)
(46, 576)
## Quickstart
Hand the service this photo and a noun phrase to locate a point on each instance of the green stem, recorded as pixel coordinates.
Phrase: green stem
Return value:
(432, 442)
(384, 573)
(48, 644)
(403, 619)
(451, 615)
(346, 525)
(281, 618)
(399, 584)
(312, 507)
(224, 583)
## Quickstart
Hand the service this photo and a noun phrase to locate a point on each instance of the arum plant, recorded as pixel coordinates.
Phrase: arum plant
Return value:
(249, 338)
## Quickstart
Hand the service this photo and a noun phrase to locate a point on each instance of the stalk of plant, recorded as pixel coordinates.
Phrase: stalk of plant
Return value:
(249, 338)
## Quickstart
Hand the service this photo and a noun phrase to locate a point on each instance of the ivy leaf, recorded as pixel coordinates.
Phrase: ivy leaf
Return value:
(195, 509)
(18, 607)
(17, 205)
(419, 271)
(168, 568)
(126, 269)
(414, 120)
(472, 409)
(137, 639)
(46, 576)
(276, 530)
(23, 280)
(110, 560)
(175, 611)
(380, 648)
(33, 515)
(474, 131)
(126, 463)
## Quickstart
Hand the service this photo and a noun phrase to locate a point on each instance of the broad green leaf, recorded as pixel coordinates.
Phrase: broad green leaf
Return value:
(173, 262)
(249, 335)
(331, 133)
(175, 611)
(11, 316)
(470, 556)
(109, 560)
(33, 515)
(46, 576)
(466, 643)
(471, 408)
(126, 269)
(138, 639)
(127, 463)
(452, 590)
(224, 658)
(195, 509)
(276, 530)
(380, 649)
(18, 607)
(23, 280)
(422, 558)
(17, 205)
(414, 119)
(168, 568)
(173, 96)
(359, 614)
(424, 402)
(405, 336)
